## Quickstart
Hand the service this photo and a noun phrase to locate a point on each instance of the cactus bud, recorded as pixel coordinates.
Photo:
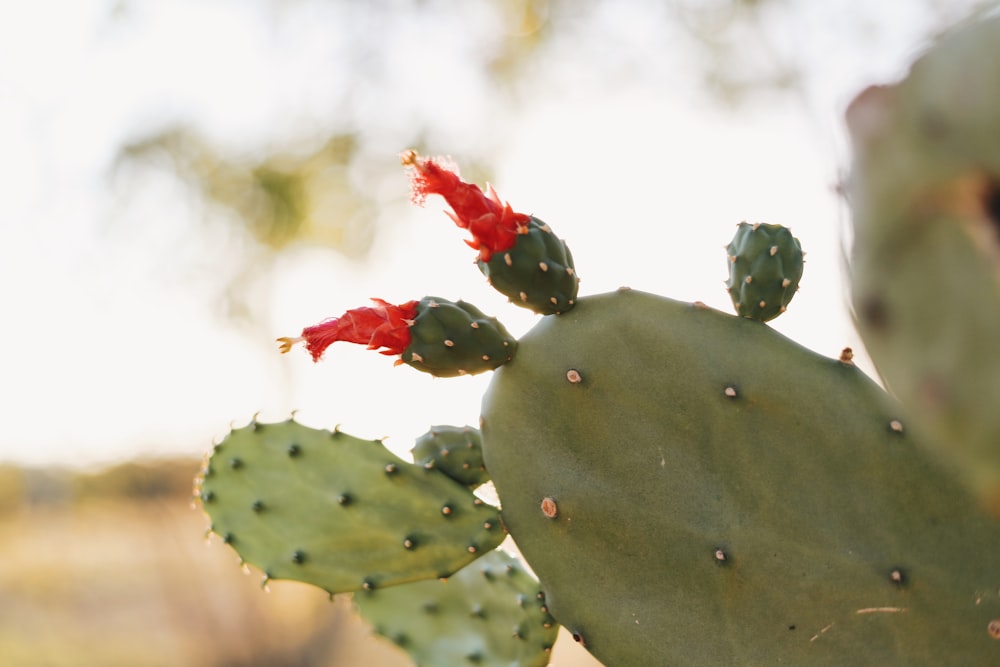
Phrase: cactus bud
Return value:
(765, 266)
(434, 335)
(518, 253)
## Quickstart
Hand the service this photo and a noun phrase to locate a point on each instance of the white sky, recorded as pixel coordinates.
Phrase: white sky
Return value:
(104, 353)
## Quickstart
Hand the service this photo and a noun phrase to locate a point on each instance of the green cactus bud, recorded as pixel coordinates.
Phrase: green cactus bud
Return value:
(518, 254)
(693, 488)
(537, 272)
(765, 266)
(434, 335)
(457, 451)
(456, 338)
(491, 613)
(339, 512)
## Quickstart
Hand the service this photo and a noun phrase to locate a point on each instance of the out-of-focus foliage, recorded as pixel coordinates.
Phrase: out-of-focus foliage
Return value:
(322, 184)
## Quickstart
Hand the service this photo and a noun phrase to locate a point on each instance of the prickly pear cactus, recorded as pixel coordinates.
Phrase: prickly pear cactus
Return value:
(489, 613)
(925, 266)
(765, 266)
(693, 488)
(457, 451)
(518, 253)
(338, 512)
(434, 335)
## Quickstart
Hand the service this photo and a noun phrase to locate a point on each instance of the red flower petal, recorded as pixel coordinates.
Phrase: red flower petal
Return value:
(494, 224)
(383, 325)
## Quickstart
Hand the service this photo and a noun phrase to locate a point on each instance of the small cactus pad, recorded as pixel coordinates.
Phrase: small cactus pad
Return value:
(765, 266)
(536, 273)
(450, 338)
(925, 266)
(490, 613)
(694, 489)
(457, 451)
(339, 512)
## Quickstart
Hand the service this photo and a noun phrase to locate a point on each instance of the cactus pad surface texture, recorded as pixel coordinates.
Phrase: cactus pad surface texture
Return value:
(925, 198)
(490, 613)
(693, 488)
(339, 512)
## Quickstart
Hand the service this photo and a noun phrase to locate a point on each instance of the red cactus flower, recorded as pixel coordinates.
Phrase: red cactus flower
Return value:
(381, 326)
(494, 224)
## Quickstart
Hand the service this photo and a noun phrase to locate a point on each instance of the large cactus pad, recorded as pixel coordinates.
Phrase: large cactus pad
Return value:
(925, 194)
(339, 512)
(694, 488)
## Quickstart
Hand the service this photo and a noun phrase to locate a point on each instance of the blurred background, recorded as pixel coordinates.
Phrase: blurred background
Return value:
(184, 182)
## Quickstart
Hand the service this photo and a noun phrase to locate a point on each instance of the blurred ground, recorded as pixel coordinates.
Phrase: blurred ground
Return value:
(112, 569)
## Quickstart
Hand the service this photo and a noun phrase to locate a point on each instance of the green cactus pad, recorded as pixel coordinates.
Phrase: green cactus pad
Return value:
(925, 267)
(765, 266)
(489, 613)
(693, 488)
(450, 338)
(457, 451)
(537, 273)
(339, 512)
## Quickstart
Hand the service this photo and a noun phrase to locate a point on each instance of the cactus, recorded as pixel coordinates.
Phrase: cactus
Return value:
(690, 487)
(491, 612)
(518, 253)
(706, 491)
(765, 266)
(433, 335)
(925, 265)
(338, 512)
(457, 451)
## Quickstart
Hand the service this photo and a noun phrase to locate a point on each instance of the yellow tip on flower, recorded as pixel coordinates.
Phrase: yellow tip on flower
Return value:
(286, 343)
(408, 157)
